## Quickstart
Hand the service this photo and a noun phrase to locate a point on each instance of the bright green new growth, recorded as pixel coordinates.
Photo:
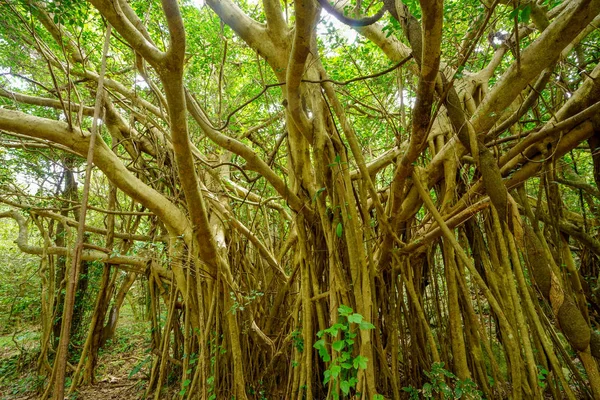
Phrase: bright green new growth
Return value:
(342, 373)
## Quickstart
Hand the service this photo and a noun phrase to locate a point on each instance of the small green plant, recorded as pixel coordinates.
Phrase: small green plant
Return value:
(215, 349)
(343, 369)
(542, 375)
(258, 392)
(17, 376)
(438, 388)
(184, 387)
(186, 383)
(138, 367)
(298, 340)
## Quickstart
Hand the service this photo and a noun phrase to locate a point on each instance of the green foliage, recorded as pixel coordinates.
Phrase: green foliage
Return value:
(246, 300)
(69, 12)
(19, 283)
(336, 345)
(298, 340)
(258, 392)
(138, 367)
(522, 12)
(17, 375)
(438, 388)
(215, 349)
(392, 28)
(542, 375)
(224, 77)
(186, 383)
(339, 229)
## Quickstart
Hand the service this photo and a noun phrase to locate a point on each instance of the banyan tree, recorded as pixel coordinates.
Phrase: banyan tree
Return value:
(322, 199)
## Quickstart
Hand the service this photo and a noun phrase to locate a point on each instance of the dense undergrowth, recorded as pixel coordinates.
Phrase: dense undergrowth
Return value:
(122, 371)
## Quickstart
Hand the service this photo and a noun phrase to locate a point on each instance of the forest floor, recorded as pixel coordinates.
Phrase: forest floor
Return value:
(121, 372)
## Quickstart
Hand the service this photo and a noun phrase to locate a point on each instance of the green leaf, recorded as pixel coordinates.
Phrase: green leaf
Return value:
(338, 345)
(360, 362)
(445, 389)
(344, 310)
(458, 392)
(427, 390)
(187, 382)
(339, 229)
(448, 373)
(318, 192)
(323, 353)
(138, 367)
(335, 371)
(355, 318)
(366, 325)
(388, 31)
(345, 386)
(332, 331)
(525, 13)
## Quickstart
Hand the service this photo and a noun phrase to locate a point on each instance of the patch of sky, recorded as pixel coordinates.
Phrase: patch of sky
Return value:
(329, 27)
(14, 82)
(140, 82)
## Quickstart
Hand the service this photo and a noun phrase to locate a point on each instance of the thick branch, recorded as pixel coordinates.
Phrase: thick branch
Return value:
(22, 242)
(365, 21)
(430, 63)
(113, 11)
(254, 162)
(105, 159)
(306, 18)
(42, 101)
(252, 32)
(536, 57)
(275, 21)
